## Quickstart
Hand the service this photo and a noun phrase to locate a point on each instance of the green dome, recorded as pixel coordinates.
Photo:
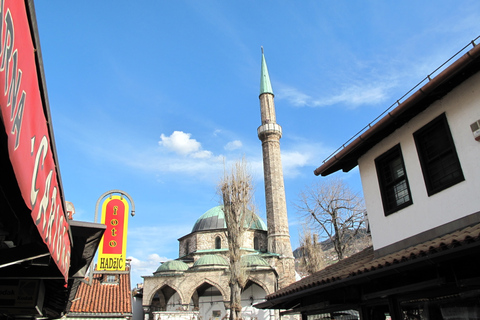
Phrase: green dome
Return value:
(210, 260)
(215, 219)
(172, 265)
(253, 260)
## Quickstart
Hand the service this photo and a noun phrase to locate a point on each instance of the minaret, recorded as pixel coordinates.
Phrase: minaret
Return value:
(270, 133)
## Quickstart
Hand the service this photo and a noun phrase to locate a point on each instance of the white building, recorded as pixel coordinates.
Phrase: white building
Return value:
(420, 171)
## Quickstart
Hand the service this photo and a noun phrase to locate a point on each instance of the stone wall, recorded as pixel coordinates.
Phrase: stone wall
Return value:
(185, 285)
(206, 241)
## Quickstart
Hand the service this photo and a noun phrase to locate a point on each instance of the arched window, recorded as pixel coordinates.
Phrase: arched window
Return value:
(218, 243)
(255, 243)
(187, 247)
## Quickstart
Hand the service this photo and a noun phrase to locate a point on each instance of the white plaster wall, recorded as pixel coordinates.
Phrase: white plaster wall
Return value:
(175, 315)
(462, 108)
(210, 304)
(254, 294)
(174, 303)
(137, 309)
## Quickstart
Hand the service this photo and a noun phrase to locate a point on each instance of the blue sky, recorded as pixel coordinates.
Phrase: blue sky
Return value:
(150, 97)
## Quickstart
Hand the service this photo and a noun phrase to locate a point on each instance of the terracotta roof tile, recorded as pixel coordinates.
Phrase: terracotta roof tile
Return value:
(101, 297)
(364, 261)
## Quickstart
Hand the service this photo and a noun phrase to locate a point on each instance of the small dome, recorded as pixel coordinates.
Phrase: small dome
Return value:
(215, 219)
(253, 260)
(211, 260)
(172, 265)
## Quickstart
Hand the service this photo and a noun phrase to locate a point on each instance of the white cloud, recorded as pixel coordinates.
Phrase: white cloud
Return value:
(145, 241)
(302, 158)
(233, 145)
(153, 261)
(146, 267)
(180, 143)
(357, 95)
(203, 154)
(352, 96)
(294, 96)
(293, 161)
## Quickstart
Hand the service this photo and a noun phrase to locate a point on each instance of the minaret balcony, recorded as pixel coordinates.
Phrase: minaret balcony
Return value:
(269, 128)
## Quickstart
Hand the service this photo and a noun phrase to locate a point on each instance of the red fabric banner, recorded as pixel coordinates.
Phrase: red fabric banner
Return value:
(29, 146)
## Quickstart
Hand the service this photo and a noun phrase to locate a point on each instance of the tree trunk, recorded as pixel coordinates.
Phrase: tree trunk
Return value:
(235, 301)
(235, 279)
(236, 191)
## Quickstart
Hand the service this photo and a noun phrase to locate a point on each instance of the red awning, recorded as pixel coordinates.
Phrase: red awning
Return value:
(26, 120)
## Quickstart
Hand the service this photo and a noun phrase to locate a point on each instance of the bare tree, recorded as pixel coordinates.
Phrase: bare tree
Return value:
(335, 212)
(236, 189)
(312, 255)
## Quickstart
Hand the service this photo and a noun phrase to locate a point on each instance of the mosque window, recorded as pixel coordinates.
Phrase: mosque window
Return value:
(255, 243)
(218, 243)
(187, 247)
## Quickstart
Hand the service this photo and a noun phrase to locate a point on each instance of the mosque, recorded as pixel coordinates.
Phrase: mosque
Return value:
(195, 285)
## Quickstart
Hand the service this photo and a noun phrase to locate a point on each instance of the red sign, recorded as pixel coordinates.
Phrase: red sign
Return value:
(115, 220)
(29, 146)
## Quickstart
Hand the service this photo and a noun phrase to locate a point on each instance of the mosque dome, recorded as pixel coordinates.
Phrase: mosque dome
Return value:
(211, 261)
(254, 261)
(215, 219)
(172, 266)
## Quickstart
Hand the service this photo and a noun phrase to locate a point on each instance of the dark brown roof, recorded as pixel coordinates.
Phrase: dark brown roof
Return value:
(104, 298)
(436, 88)
(365, 263)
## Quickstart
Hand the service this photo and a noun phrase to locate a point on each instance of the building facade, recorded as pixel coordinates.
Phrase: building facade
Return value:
(419, 170)
(196, 285)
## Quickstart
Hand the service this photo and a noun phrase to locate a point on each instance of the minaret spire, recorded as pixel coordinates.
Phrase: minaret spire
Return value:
(265, 85)
(270, 133)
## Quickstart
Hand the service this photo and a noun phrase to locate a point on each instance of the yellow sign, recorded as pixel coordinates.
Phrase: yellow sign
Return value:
(113, 246)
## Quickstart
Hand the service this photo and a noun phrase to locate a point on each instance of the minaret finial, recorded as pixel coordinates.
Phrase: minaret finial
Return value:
(262, 48)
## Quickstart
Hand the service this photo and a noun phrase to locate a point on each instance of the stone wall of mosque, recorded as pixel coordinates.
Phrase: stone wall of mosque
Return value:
(206, 241)
(187, 245)
(187, 283)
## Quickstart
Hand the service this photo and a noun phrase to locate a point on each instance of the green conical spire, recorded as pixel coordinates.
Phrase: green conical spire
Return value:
(265, 85)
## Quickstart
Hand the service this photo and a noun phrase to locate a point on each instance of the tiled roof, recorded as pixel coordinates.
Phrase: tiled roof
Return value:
(364, 262)
(102, 297)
